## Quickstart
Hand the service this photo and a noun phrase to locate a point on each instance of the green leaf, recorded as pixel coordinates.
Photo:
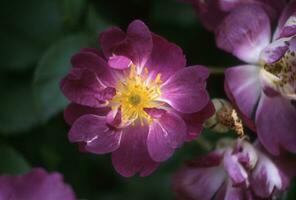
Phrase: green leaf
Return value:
(18, 109)
(73, 10)
(16, 52)
(28, 27)
(94, 21)
(53, 65)
(39, 20)
(173, 13)
(12, 162)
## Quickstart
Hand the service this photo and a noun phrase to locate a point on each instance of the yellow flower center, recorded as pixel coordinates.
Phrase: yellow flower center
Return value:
(134, 93)
(281, 76)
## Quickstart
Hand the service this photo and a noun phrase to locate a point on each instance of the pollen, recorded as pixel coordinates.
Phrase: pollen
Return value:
(282, 74)
(134, 92)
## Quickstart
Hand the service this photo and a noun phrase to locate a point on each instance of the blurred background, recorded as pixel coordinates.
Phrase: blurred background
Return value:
(38, 38)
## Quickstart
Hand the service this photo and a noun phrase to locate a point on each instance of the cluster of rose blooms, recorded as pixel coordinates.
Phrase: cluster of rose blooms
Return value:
(135, 98)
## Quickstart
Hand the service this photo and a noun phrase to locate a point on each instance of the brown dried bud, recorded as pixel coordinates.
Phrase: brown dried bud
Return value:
(224, 119)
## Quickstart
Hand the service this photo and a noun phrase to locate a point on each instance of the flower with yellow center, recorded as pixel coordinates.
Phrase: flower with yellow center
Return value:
(118, 106)
(134, 93)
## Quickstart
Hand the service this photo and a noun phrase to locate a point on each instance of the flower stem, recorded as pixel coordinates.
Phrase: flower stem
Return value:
(217, 70)
(204, 143)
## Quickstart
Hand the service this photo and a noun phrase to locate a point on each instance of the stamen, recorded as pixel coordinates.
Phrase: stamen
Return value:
(132, 71)
(224, 119)
(282, 75)
(136, 92)
(230, 119)
(135, 99)
(158, 79)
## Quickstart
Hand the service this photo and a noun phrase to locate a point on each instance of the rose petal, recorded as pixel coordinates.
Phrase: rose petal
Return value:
(6, 187)
(185, 91)
(211, 159)
(289, 29)
(206, 9)
(93, 130)
(235, 170)
(34, 185)
(166, 63)
(198, 183)
(286, 164)
(140, 39)
(275, 119)
(213, 12)
(246, 154)
(74, 111)
(266, 177)
(97, 64)
(273, 8)
(132, 157)
(136, 45)
(155, 112)
(165, 135)
(113, 118)
(244, 33)
(275, 51)
(286, 26)
(194, 121)
(83, 87)
(119, 62)
(242, 85)
(228, 192)
(106, 142)
(110, 39)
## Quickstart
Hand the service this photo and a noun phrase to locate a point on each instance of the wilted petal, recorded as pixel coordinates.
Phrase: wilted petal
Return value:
(244, 33)
(166, 63)
(235, 170)
(275, 119)
(132, 157)
(185, 91)
(35, 185)
(228, 192)
(194, 182)
(93, 130)
(246, 154)
(165, 135)
(73, 111)
(266, 178)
